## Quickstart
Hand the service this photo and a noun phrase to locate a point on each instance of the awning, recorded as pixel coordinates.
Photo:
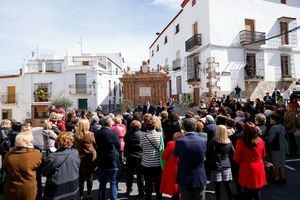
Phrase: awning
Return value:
(286, 19)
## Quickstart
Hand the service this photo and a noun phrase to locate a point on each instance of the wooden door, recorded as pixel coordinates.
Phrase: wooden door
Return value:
(251, 61)
(285, 72)
(196, 67)
(284, 28)
(11, 94)
(249, 27)
(196, 96)
(195, 28)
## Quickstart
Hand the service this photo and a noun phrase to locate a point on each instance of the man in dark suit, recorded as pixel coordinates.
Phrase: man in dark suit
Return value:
(108, 145)
(148, 108)
(191, 172)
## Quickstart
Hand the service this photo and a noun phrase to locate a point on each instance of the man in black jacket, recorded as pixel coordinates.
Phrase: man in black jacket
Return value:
(148, 108)
(108, 145)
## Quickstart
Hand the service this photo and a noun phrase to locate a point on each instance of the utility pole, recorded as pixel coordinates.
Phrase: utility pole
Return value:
(81, 45)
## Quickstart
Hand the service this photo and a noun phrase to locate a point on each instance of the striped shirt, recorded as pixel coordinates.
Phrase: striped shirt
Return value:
(151, 154)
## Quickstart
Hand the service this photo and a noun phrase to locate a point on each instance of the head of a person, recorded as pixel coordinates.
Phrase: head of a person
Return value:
(174, 117)
(210, 119)
(17, 126)
(53, 117)
(250, 135)
(178, 135)
(83, 128)
(189, 125)
(65, 140)
(135, 125)
(189, 114)
(202, 112)
(291, 107)
(118, 119)
(6, 124)
(156, 122)
(94, 120)
(146, 117)
(147, 103)
(199, 126)
(26, 127)
(164, 114)
(239, 126)
(275, 119)
(267, 93)
(47, 125)
(24, 139)
(107, 121)
(260, 119)
(222, 135)
(150, 124)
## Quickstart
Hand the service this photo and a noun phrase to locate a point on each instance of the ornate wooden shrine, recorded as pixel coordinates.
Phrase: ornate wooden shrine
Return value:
(145, 85)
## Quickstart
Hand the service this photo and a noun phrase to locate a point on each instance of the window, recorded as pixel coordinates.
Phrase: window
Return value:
(109, 68)
(85, 63)
(157, 47)
(109, 88)
(194, 2)
(120, 89)
(177, 29)
(152, 53)
(115, 89)
(284, 28)
(178, 85)
(82, 104)
(6, 113)
(166, 39)
(117, 71)
(283, 1)
(285, 66)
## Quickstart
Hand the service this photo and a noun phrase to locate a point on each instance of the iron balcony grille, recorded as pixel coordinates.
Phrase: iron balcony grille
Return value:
(80, 89)
(252, 37)
(194, 42)
(176, 64)
(8, 99)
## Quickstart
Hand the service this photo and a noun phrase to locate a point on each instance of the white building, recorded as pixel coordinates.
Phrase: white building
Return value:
(88, 80)
(207, 45)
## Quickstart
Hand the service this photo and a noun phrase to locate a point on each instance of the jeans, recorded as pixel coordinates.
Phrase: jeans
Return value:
(104, 175)
(188, 193)
(238, 97)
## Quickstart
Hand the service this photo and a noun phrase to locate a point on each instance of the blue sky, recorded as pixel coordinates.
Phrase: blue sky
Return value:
(126, 26)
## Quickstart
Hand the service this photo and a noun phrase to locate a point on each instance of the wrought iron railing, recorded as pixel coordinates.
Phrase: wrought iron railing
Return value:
(8, 99)
(176, 64)
(193, 42)
(80, 89)
(252, 37)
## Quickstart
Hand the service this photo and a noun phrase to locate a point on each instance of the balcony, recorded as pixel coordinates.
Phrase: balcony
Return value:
(8, 99)
(176, 64)
(193, 74)
(193, 43)
(252, 37)
(80, 89)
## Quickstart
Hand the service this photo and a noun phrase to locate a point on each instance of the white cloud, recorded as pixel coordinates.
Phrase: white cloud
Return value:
(173, 4)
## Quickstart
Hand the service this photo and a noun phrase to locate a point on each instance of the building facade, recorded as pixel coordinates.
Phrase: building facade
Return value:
(211, 46)
(88, 80)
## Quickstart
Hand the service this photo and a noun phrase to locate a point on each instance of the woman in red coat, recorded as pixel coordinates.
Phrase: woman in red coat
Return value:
(168, 183)
(250, 153)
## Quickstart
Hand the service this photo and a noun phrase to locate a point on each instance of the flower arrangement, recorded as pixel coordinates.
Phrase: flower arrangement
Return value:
(41, 95)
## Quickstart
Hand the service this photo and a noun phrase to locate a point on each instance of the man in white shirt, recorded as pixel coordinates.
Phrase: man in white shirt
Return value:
(286, 93)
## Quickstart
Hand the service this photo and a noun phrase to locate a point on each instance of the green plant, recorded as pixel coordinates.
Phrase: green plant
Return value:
(41, 95)
(60, 101)
(126, 104)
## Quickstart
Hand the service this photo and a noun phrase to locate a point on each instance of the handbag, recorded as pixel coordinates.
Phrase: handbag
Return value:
(160, 149)
(275, 144)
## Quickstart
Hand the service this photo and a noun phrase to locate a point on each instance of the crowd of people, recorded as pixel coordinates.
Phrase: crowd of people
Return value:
(228, 142)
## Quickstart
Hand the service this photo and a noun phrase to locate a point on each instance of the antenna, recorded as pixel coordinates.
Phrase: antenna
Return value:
(81, 45)
(37, 52)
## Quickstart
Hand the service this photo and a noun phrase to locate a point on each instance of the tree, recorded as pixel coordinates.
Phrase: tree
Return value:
(60, 101)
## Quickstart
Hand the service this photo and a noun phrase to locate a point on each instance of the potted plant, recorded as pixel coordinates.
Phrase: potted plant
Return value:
(41, 95)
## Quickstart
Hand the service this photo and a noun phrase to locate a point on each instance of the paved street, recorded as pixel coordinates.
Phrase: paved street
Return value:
(290, 191)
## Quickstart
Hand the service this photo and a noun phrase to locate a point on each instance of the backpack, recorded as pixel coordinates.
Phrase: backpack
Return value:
(4, 141)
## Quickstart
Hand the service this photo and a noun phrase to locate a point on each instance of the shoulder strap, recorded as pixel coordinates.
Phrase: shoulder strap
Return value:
(57, 168)
(155, 147)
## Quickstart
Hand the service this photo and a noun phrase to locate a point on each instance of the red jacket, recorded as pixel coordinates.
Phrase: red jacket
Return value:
(120, 129)
(168, 183)
(251, 165)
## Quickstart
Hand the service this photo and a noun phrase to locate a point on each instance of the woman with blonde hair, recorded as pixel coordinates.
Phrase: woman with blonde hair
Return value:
(22, 164)
(85, 142)
(219, 152)
(49, 137)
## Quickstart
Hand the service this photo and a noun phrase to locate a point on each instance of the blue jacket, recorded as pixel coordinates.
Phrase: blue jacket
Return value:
(191, 152)
(210, 129)
(108, 145)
